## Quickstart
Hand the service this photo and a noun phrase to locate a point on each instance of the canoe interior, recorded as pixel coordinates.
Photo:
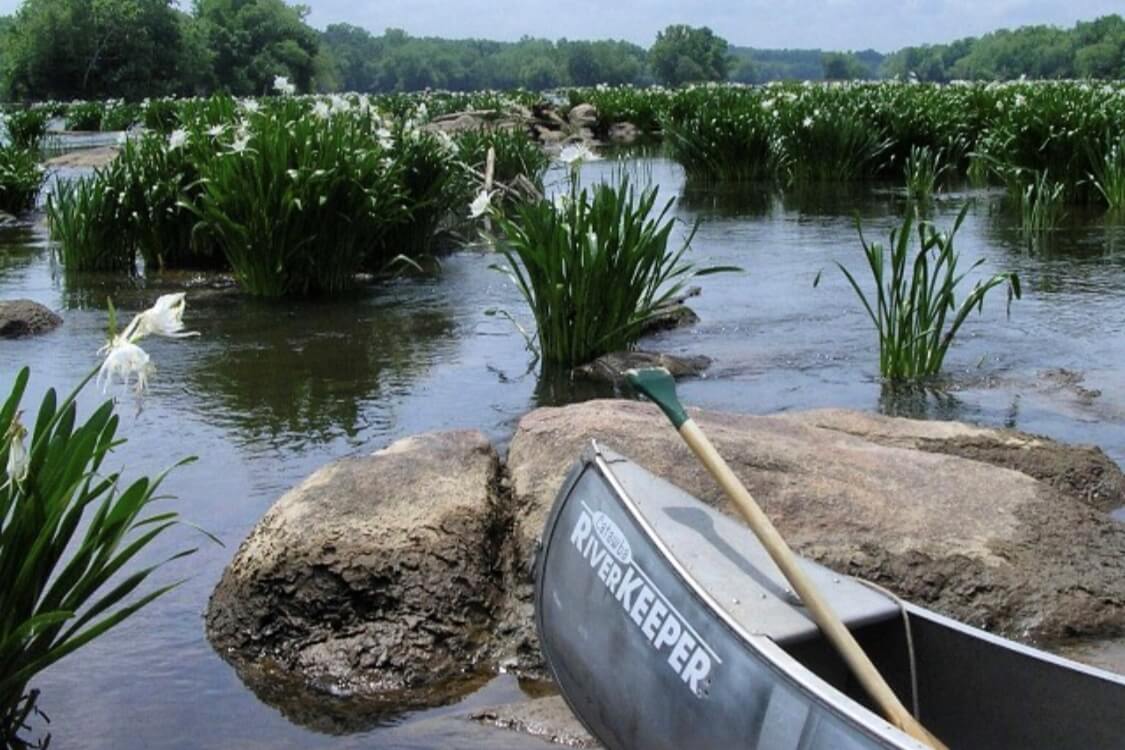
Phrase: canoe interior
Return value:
(772, 679)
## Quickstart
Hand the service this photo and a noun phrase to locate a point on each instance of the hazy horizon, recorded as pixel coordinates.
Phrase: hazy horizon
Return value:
(883, 25)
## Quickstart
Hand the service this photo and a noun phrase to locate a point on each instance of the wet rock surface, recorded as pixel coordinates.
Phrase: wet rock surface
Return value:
(23, 317)
(394, 574)
(548, 718)
(611, 368)
(375, 574)
(86, 157)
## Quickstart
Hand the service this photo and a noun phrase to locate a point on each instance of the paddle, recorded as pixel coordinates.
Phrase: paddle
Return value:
(657, 384)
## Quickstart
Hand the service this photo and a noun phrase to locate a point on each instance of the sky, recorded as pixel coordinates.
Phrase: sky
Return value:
(884, 25)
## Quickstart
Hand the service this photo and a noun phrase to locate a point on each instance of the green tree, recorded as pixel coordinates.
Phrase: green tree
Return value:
(683, 54)
(94, 49)
(253, 41)
(843, 66)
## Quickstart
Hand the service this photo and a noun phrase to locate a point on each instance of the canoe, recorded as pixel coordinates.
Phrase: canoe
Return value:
(666, 625)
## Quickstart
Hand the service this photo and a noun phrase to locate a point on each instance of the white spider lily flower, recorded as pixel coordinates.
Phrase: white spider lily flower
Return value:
(282, 86)
(127, 361)
(250, 106)
(177, 138)
(165, 318)
(321, 110)
(18, 459)
(239, 145)
(480, 205)
(807, 122)
(215, 130)
(385, 138)
(576, 154)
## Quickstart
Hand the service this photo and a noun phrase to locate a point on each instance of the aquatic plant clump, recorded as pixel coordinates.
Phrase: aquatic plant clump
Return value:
(914, 306)
(72, 527)
(26, 127)
(21, 177)
(924, 170)
(594, 266)
(298, 204)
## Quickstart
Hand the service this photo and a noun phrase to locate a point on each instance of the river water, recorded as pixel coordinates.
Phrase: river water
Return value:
(272, 390)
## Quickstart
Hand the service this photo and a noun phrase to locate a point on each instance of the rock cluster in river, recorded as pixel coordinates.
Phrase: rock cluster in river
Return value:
(410, 566)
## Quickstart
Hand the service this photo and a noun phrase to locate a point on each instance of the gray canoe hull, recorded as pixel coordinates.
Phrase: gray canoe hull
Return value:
(666, 627)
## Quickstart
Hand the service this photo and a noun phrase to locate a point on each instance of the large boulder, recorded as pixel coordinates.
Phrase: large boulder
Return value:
(930, 510)
(582, 116)
(23, 317)
(375, 574)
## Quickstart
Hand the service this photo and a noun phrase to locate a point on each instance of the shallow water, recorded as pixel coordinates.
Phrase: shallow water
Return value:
(271, 391)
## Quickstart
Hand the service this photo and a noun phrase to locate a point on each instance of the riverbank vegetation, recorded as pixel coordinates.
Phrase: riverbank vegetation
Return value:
(137, 49)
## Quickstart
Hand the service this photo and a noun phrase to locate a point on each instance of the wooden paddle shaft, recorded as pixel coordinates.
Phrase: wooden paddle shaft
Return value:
(816, 604)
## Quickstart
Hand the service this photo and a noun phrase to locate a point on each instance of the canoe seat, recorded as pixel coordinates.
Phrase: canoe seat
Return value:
(725, 559)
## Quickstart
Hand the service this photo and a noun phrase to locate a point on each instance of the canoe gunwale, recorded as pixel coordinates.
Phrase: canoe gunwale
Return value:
(784, 667)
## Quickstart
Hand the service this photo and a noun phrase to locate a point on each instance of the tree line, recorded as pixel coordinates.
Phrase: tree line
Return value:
(132, 49)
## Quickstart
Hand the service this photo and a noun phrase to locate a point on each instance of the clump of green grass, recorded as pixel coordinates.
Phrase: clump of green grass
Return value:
(723, 137)
(297, 204)
(594, 268)
(85, 116)
(70, 531)
(1041, 204)
(924, 169)
(1108, 175)
(429, 183)
(21, 177)
(26, 127)
(829, 144)
(914, 307)
(88, 221)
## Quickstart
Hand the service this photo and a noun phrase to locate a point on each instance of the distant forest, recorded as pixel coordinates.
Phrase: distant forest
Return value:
(93, 49)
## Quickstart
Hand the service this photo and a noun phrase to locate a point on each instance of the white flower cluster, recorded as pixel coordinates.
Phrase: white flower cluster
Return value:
(129, 362)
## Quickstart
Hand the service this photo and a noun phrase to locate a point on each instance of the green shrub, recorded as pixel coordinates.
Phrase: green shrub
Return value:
(913, 303)
(21, 177)
(26, 127)
(161, 115)
(594, 269)
(70, 530)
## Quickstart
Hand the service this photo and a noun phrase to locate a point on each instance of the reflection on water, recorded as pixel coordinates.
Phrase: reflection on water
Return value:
(271, 391)
(291, 375)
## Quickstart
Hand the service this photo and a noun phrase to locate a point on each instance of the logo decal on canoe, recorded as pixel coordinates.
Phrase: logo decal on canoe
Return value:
(612, 538)
(602, 543)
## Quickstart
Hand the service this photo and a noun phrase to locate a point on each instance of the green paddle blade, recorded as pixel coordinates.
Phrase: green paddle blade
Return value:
(657, 384)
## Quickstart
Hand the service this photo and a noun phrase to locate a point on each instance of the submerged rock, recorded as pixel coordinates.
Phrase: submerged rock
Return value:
(23, 317)
(374, 574)
(611, 368)
(582, 116)
(86, 157)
